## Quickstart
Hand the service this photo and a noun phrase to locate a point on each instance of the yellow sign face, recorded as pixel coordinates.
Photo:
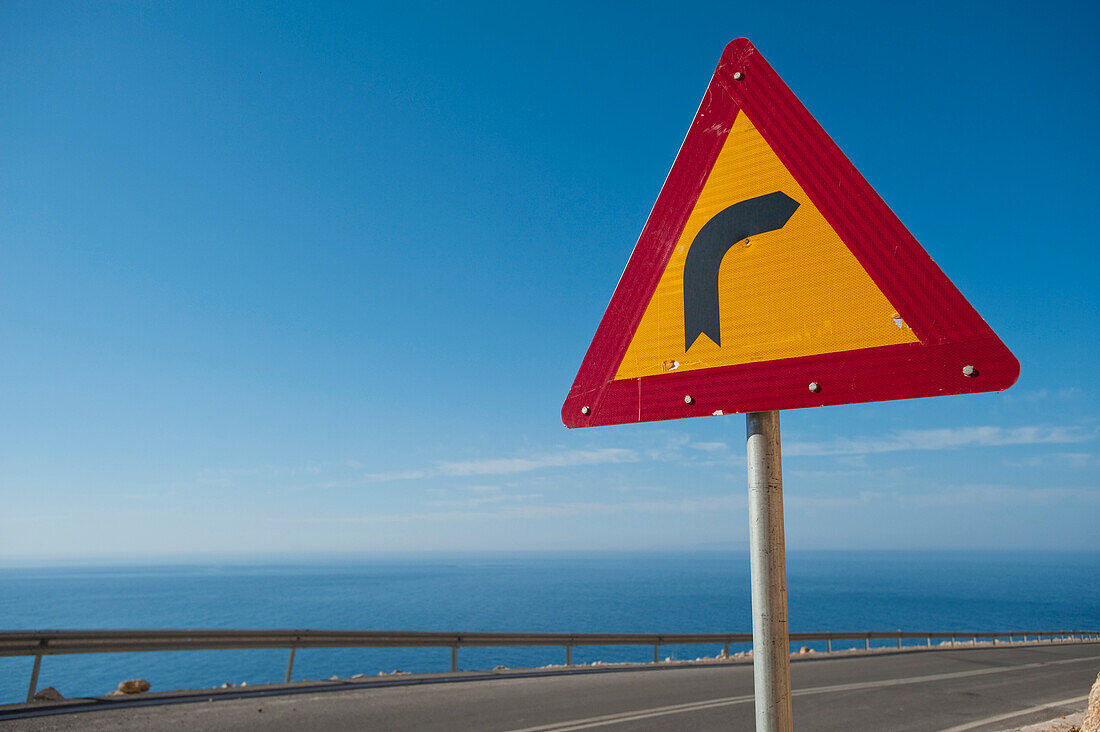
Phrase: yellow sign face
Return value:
(793, 290)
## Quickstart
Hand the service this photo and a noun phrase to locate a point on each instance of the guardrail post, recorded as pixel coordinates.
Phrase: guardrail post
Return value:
(290, 664)
(568, 655)
(867, 643)
(656, 652)
(34, 677)
(454, 659)
(828, 645)
(899, 641)
(952, 641)
(726, 650)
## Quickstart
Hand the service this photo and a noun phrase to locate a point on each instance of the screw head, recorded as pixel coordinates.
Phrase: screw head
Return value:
(737, 75)
(969, 370)
(585, 410)
(689, 399)
(815, 387)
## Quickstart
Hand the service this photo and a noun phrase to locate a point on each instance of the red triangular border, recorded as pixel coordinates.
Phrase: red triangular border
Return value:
(951, 333)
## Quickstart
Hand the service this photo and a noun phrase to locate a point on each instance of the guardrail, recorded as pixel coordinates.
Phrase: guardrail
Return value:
(63, 642)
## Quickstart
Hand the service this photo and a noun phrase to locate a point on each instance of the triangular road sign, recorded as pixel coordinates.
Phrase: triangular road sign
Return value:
(770, 275)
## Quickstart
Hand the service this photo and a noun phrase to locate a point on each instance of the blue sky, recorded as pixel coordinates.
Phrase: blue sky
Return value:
(301, 278)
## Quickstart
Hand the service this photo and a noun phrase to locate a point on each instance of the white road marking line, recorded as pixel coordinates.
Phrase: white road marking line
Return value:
(1022, 712)
(608, 719)
(636, 714)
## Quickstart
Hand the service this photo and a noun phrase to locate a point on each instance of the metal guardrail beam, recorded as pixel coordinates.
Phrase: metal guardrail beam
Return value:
(59, 642)
(40, 643)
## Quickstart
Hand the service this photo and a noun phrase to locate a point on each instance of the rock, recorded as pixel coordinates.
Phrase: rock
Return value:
(359, 676)
(115, 692)
(133, 686)
(49, 694)
(500, 668)
(1091, 722)
(804, 650)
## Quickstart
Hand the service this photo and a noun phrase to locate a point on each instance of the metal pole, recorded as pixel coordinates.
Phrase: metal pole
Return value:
(290, 664)
(34, 678)
(454, 659)
(771, 659)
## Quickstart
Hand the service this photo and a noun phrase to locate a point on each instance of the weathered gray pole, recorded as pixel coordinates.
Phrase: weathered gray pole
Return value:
(771, 661)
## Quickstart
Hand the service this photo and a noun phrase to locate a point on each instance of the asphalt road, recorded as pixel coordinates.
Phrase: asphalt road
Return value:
(973, 689)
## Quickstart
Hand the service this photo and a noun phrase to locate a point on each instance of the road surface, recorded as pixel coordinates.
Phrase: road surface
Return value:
(972, 689)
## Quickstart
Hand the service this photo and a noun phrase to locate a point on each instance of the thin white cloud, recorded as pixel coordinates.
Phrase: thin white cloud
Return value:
(710, 446)
(399, 475)
(531, 510)
(483, 488)
(818, 503)
(862, 475)
(999, 495)
(1042, 395)
(487, 499)
(508, 466)
(949, 438)
(1059, 459)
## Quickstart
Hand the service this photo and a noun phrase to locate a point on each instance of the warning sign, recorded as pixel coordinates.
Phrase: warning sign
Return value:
(771, 276)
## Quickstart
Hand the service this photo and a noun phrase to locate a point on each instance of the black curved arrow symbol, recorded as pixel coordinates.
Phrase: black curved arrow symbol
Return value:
(731, 225)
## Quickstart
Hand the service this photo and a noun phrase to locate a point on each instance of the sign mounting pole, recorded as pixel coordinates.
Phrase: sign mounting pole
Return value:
(771, 648)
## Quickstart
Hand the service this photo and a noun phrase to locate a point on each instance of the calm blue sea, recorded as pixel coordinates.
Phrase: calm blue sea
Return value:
(629, 592)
